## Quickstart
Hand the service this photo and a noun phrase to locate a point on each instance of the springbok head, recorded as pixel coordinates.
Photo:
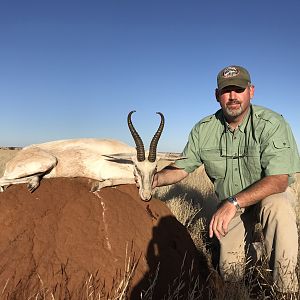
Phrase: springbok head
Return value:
(145, 162)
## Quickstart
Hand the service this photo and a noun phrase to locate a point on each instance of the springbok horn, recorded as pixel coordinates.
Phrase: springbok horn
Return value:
(140, 150)
(153, 144)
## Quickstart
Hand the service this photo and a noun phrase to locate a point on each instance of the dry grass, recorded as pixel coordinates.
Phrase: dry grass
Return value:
(91, 288)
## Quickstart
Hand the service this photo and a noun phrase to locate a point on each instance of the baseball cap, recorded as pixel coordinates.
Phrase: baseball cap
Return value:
(233, 75)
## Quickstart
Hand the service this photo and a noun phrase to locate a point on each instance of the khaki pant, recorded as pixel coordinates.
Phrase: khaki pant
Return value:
(277, 217)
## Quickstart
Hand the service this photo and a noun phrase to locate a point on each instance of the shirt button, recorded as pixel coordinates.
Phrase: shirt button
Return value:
(234, 137)
(235, 169)
(235, 184)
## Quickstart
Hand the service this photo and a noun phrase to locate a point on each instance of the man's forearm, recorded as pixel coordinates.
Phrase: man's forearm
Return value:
(170, 175)
(261, 189)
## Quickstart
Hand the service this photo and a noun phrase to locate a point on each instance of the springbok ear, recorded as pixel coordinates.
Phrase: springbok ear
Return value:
(169, 156)
(166, 159)
(125, 158)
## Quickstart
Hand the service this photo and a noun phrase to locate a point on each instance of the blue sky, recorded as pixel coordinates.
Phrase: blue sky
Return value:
(71, 69)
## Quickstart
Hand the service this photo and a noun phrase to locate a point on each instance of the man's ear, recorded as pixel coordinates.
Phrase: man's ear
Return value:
(252, 89)
(217, 95)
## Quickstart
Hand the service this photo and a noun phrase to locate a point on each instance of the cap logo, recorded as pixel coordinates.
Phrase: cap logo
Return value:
(230, 72)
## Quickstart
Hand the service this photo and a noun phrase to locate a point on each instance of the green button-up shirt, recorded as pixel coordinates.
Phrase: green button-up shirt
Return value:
(262, 145)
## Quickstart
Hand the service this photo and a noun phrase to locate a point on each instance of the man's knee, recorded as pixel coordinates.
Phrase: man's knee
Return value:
(278, 207)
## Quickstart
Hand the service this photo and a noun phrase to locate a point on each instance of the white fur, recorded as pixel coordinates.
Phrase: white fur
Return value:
(109, 162)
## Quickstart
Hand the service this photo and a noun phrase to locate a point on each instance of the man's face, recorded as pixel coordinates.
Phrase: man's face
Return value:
(235, 100)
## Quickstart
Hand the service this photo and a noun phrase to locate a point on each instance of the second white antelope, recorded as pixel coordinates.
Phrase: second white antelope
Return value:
(109, 162)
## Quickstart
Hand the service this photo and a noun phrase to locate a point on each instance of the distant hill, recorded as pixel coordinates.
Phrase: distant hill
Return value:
(10, 148)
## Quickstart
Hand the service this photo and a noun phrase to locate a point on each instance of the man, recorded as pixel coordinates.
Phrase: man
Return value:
(250, 155)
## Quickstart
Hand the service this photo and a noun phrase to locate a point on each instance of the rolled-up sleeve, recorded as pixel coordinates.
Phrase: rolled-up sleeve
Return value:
(279, 153)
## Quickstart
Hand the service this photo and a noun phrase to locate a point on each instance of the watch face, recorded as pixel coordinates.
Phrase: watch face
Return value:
(231, 199)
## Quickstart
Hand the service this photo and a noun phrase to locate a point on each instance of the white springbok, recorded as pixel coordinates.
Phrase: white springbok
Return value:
(108, 162)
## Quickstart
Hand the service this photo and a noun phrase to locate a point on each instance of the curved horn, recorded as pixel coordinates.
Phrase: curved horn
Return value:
(140, 150)
(155, 139)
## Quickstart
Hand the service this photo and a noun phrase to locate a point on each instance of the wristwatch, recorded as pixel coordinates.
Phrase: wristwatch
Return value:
(233, 200)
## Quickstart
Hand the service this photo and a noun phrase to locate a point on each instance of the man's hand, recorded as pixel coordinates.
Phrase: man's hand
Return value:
(220, 220)
(155, 181)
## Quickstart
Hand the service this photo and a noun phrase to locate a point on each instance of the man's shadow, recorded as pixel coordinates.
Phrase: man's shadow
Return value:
(205, 200)
(175, 265)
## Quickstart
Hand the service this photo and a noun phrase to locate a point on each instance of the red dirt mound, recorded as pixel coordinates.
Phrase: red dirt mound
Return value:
(64, 242)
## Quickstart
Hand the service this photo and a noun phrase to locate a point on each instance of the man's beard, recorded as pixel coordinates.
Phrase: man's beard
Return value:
(234, 112)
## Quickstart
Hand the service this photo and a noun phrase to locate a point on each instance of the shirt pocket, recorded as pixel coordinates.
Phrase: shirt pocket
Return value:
(281, 144)
(215, 165)
(252, 163)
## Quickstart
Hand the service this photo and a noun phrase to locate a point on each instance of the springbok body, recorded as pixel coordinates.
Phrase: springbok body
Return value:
(109, 162)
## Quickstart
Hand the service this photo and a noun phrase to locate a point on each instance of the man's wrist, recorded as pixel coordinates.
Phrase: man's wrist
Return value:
(233, 200)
